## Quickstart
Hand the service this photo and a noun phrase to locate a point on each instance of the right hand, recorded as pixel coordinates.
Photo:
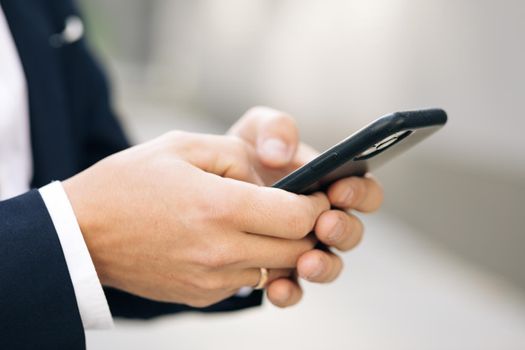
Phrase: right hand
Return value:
(159, 222)
(275, 137)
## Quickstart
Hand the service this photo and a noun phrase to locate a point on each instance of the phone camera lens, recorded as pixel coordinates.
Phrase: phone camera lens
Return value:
(383, 145)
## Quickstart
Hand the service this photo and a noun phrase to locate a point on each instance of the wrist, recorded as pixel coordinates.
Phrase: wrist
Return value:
(91, 301)
(88, 221)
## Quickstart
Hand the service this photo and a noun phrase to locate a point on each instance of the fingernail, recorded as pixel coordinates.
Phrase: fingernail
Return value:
(346, 196)
(275, 148)
(284, 297)
(315, 273)
(337, 232)
(316, 270)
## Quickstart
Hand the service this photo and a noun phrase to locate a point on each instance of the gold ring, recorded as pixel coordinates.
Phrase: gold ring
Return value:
(263, 279)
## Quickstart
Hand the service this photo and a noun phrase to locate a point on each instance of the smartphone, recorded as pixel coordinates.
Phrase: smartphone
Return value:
(365, 150)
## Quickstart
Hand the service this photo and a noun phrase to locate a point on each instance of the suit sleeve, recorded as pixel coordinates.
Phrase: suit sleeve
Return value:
(38, 308)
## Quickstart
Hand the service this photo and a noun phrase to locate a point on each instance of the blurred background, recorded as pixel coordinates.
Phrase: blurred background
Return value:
(442, 266)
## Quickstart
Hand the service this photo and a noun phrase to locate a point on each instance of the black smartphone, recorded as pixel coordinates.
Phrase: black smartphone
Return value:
(365, 150)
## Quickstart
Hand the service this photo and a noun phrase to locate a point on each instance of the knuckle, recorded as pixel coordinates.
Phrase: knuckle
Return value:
(211, 284)
(240, 153)
(256, 111)
(176, 136)
(232, 207)
(311, 212)
(246, 172)
(300, 223)
(204, 284)
(181, 141)
(321, 203)
(213, 260)
(217, 256)
(220, 208)
(295, 227)
(238, 148)
(236, 144)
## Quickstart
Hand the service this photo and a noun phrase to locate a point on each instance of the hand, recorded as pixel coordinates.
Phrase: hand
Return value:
(160, 223)
(276, 139)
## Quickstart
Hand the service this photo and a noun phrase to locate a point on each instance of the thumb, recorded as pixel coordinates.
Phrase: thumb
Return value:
(276, 147)
(273, 134)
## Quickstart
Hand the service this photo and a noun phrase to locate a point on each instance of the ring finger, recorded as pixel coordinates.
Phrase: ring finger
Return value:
(251, 277)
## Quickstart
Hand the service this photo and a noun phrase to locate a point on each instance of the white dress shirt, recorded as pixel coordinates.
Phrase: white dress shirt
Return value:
(15, 178)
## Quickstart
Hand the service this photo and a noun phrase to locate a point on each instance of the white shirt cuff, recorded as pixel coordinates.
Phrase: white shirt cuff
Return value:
(92, 303)
(244, 292)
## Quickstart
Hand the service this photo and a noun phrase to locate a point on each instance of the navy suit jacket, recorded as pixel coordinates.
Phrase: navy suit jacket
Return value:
(72, 126)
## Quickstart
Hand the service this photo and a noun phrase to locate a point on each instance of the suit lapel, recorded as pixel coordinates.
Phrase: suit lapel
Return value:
(32, 23)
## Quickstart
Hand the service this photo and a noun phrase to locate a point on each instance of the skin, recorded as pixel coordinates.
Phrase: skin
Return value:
(336, 228)
(185, 217)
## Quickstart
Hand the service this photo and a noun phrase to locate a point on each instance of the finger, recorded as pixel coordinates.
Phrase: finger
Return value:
(364, 194)
(274, 212)
(251, 277)
(319, 266)
(303, 155)
(338, 229)
(273, 253)
(284, 292)
(273, 133)
(226, 156)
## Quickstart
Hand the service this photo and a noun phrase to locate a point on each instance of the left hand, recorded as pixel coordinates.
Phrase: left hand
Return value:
(275, 137)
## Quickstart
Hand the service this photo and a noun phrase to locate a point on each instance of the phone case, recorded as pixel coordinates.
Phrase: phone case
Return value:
(365, 150)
